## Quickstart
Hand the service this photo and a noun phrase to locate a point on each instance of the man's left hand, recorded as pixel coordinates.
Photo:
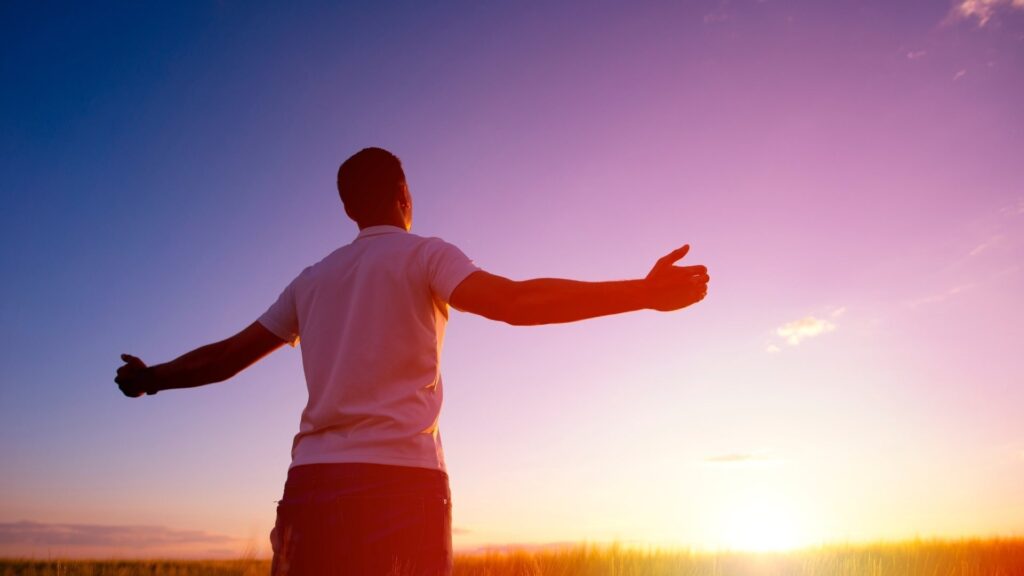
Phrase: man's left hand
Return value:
(135, 378)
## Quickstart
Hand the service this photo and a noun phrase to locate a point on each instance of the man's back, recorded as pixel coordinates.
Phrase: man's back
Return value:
(371, 317)
(367, 490)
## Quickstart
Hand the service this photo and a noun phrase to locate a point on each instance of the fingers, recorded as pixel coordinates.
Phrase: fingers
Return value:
(676, 287)
(700, 285)
(692, 270)
(126, 378)
(680, 277)
(130, 367)
(686, 274)
(127, 388)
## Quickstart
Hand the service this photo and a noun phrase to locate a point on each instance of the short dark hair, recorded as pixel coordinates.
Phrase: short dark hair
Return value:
(368, 181)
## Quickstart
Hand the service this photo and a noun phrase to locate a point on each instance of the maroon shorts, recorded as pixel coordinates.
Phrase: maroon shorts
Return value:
(365, 520)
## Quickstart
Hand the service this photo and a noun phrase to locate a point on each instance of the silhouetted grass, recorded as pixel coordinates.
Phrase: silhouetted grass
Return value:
(134, 568)
(991, 557)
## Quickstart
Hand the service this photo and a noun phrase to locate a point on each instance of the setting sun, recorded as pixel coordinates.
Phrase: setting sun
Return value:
(761, 523)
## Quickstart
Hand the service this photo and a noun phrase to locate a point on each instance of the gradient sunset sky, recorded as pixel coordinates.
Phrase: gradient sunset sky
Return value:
(850, 172)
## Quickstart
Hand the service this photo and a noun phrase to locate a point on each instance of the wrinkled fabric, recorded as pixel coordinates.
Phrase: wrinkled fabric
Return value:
(371, 318)
(363, 519)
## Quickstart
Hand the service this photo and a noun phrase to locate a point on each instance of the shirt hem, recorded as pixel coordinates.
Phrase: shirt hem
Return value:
(413, 462)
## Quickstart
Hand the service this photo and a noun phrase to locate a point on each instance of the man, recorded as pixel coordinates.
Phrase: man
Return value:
(367, 492)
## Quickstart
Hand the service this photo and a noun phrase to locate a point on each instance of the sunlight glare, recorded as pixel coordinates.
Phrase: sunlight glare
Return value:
(760, 523)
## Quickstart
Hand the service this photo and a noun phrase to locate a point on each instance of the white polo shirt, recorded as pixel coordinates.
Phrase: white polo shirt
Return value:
(371, 317)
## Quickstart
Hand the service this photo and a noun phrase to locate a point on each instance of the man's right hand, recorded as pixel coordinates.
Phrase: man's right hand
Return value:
(671, 287)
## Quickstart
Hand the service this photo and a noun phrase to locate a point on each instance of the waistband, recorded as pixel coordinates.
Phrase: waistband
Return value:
(361, 480)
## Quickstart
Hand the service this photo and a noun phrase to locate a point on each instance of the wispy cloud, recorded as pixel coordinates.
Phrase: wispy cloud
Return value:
(721, 13)
(1011, 269)
(916, 54)
(807, 327)
(960, 74)
(104, 536)
(985, 245)
(941, 296)
(1013, 209)
(526, 547)
(739, 459)
(983, 11)
(714, 17)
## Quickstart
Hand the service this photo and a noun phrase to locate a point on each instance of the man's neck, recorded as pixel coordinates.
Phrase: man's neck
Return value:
(399, 224)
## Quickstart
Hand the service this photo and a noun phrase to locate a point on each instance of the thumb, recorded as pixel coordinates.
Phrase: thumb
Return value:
(674, 256)
(132, 360)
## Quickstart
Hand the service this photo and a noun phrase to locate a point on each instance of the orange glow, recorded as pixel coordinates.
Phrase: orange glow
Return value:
(761, 522)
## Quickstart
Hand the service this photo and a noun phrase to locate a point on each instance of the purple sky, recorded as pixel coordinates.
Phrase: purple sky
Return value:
(850, 172)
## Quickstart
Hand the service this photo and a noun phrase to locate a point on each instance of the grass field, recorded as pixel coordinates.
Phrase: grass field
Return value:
(996, 557)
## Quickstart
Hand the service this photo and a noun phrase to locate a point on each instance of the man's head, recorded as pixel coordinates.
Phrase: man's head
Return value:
(373, 189)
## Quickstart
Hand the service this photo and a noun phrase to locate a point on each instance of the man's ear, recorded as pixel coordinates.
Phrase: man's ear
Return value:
(403, 195)
(348, 212)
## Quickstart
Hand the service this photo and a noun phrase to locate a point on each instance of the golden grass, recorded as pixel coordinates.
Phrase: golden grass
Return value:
(993, 557)
(990, 557)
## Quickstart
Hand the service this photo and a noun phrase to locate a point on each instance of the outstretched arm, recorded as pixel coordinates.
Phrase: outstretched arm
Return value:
(211, 363)
(552, 300)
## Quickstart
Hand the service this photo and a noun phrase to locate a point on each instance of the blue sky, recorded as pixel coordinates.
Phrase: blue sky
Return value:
(848, 171)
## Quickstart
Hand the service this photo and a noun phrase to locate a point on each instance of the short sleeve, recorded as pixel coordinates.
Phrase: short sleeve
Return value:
(282, 317)
(447, 267)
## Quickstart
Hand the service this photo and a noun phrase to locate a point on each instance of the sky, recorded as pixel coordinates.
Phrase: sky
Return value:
(850, 173)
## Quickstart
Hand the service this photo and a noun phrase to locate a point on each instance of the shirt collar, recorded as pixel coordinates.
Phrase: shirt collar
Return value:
(380, 230)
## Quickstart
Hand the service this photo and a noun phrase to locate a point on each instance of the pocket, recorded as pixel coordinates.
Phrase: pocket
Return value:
(438, 534)
(448, 533)
(286, 540)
